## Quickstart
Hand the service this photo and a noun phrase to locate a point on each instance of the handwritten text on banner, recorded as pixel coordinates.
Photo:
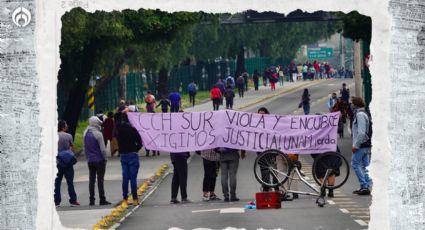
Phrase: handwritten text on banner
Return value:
(181, 132)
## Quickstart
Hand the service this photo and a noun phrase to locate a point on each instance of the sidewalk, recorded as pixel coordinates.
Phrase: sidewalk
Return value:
(86, 216)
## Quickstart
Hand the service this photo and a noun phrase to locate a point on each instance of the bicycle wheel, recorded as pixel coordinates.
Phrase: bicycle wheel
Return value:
(339, 169)
(271, 168)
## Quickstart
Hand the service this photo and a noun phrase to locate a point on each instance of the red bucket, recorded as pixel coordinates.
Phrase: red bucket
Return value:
(266, 200)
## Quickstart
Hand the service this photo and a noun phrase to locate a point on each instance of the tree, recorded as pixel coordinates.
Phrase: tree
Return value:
(89, 38)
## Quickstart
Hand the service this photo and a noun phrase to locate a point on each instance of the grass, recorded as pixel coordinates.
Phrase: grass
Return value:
(78, 139)
(201, 97)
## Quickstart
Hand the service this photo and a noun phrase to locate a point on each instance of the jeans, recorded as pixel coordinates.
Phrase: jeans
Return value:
(69, 177)
(175, 108)
(256, 85)
(229, 169)
(210, 175)
(240, 90)
(216, 103)
(229, 103)
(192, 98)
(130, 167)
(306, 108)
(97, 169)
(359, 162)
(179, 177)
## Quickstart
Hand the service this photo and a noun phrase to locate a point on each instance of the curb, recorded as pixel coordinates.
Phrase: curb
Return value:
(123, 210)
(279, 93)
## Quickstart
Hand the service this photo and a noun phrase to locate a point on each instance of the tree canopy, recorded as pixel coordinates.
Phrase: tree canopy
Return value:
(101, 43)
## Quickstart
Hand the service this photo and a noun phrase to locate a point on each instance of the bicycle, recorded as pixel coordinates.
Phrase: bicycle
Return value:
(273, 168)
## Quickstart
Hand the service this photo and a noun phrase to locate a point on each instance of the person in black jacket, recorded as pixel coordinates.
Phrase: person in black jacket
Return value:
(129, 143)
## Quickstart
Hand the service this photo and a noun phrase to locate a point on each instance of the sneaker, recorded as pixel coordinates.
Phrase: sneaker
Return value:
(356, 191)
(91, 203)
(226, 199)
(185, 200)
(57, 205)
(364, 191)
(105, 202)
(294, 196)
(214, 197)
(75, 204)
(331, 193)
(205, 198)
(174, 201)
(136, 202)
(235, 199)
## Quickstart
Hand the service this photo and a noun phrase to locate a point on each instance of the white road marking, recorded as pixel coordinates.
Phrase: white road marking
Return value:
(232, 210)
(206, 210)
(344, 210)
(361, 222)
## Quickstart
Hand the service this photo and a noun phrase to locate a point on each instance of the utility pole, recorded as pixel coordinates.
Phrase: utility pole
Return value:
(358, 69)
(90, 96)
(342, 51)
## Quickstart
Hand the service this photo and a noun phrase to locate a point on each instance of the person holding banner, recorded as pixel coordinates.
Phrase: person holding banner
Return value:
(179, 161)
(211, 162)
(129, 143)
(229, 163)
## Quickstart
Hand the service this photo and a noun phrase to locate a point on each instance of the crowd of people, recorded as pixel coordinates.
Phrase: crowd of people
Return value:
(125, 141)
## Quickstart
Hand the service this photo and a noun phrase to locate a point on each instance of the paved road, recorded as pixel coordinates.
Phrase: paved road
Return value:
(345, 211)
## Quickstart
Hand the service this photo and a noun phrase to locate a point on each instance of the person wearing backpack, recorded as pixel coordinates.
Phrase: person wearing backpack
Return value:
(362, 134)
(332, 101)
(192, 89)
(129, 142)
(229, 94)
(345, 93)
(65, 161)
(230, 81)
(240, 82)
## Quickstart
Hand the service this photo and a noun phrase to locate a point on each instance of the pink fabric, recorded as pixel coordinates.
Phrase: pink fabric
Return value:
(182, 132)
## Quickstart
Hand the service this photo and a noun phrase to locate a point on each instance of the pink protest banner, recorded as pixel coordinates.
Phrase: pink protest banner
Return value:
(184, 132)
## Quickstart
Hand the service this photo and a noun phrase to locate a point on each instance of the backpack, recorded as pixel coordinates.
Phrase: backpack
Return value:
(240, 81)
(229, 81)
(368, 143)
(191, 88)
(345, 94)
(65, 159)
(228, 93)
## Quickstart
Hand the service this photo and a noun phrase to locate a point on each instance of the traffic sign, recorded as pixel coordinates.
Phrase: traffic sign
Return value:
(322, 52)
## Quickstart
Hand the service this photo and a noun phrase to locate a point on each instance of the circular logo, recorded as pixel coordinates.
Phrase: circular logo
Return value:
(21, 17)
